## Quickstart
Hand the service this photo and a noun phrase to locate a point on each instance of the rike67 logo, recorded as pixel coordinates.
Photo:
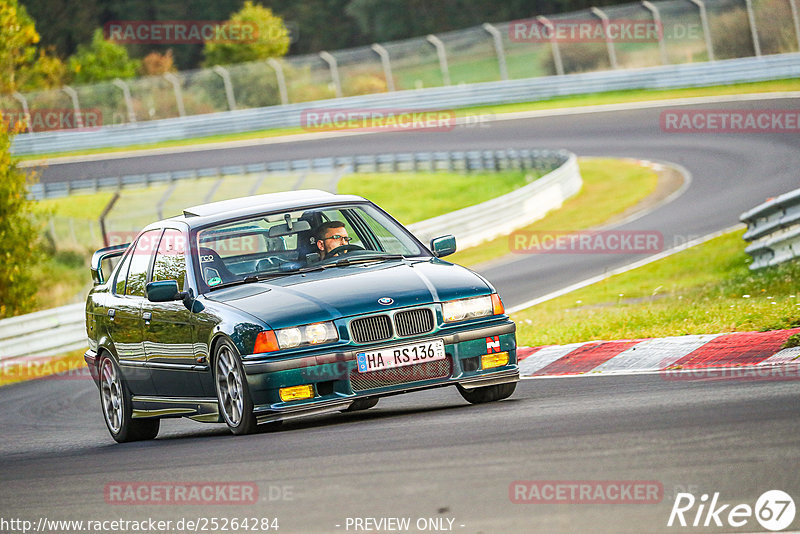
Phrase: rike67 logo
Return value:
(774, 510)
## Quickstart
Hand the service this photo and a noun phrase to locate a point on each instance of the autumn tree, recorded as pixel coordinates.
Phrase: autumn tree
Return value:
(270, 39)
(101, 60)
(24, 66)
(20, 249)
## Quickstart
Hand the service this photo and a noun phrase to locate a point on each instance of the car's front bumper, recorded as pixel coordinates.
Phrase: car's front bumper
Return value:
(330, 373)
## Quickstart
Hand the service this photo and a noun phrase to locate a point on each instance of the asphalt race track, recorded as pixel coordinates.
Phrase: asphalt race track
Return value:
(430, 455)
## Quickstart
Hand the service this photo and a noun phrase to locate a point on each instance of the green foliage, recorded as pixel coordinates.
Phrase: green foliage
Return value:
(19, 236)
(23, 65)
(101, 60)
(272, 39)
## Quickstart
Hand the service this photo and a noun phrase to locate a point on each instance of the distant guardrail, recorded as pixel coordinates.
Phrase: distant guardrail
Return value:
(729, 71)
(468, 160)
(773, 228)
(59, 330)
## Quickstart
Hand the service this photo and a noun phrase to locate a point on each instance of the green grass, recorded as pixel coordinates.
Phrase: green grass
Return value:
(412, 197)
(703, 290)
(609, 188)
(611, 97)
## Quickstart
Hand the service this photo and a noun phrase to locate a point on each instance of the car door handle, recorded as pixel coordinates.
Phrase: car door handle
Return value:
(111, 313)
(147, 316)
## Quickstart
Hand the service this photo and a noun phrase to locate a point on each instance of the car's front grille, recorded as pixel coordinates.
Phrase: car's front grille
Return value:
(369, 329)
(413, 322)
(400, 375)
(382, 327)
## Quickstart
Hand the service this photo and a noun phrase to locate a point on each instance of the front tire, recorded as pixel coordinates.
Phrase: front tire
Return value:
(487, 393)
(233, 396)
(115, 399)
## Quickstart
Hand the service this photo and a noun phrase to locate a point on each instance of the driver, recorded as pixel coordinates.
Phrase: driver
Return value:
(330, 235)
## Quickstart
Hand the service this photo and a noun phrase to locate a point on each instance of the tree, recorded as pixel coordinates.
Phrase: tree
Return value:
(272, 39)
(20, 249)
(101, 60)
(23, 65)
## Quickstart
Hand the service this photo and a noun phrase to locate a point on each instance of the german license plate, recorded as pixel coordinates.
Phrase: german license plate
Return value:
(400, 355)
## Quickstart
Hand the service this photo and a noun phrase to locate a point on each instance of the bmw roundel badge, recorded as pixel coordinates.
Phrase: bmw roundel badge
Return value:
(385, 301)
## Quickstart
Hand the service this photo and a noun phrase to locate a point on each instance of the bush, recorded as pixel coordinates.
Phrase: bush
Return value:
(580, 57)
(20, 248)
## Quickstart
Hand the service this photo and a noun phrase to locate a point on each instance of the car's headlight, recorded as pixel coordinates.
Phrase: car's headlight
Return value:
(310, 334)
(472, 308)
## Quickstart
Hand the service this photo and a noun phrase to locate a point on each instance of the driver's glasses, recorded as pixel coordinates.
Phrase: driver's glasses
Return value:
(342, 237)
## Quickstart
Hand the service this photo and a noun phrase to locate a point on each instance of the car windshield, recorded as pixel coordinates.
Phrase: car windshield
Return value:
(277, 244)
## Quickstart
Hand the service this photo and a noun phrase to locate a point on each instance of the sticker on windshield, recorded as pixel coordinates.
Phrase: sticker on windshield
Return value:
(215, 281)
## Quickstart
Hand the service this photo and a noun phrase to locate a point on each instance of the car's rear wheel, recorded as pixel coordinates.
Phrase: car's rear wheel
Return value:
(362, 404)
(488, 393)
(115, 399)
(235, 403)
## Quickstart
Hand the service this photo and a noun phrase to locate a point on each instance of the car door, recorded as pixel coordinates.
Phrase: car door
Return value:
(168, 326)
(124, 314)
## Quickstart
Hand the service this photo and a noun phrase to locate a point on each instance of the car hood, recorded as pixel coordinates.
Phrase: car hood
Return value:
(351, 290)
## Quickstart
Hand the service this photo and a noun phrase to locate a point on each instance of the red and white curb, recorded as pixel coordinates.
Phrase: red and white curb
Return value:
(667, 355)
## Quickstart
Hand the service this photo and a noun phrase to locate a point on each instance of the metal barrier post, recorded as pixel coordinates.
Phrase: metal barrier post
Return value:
(126, 93)
(75, 105)
(662, 45)
(176, 87)
(706, 31)
(226, 80)
(333, 65)
(544, 21)
(442, 53)
(751, 16)
(498, 48)
(275, 64)
(387, 65)
(24, 103)
(612, 54)
(796, 21)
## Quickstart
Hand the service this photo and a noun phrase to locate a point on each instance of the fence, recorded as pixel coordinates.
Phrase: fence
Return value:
(55, 331)
(774, 230)
(689, 31)
(446, 98)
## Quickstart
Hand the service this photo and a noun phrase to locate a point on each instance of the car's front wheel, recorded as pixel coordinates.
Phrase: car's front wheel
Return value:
(115, 398)
(235, 403)
(487, 393)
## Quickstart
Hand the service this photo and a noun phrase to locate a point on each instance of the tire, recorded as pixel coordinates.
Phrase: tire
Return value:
(233, 396)
(362, 404)
(115, 400)
(487, 393)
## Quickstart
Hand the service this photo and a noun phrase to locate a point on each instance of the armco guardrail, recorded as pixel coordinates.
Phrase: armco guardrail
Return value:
(471, 160)
(525, 90)
(773, 228)
(59, 330)
(43, 333)
(503, 215)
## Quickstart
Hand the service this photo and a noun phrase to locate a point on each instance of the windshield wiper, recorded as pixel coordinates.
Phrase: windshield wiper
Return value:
(362, 259)
(264, 276)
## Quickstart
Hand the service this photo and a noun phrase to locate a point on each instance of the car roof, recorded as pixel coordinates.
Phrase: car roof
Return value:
(252, 205)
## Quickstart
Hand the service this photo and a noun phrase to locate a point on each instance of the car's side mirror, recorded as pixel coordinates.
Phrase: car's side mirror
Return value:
(163, 291)
(443, 245)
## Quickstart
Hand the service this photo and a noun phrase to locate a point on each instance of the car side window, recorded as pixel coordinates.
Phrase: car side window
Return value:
(140, 262)
(170, 261)
(122, 274)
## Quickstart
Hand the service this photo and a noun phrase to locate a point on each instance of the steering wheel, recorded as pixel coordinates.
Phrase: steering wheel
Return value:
(342, 249)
